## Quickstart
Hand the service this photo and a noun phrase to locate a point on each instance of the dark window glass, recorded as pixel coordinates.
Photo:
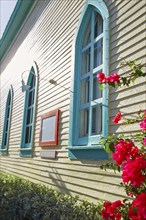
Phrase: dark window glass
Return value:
(84, 121)
(87, 37)
(97, 120)
(28, 134)
(97, 93)
(98, 27)
(98, 50)
(5, 139)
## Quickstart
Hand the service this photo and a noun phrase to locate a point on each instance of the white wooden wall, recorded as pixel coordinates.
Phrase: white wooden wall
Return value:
(46, 37)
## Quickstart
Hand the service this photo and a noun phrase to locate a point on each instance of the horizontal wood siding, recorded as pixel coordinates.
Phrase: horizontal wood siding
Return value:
(46, 37)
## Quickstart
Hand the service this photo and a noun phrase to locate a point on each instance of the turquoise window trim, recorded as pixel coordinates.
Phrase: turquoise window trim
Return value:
(7, 123)
(27, 149)
(87, 152)
(101, 8)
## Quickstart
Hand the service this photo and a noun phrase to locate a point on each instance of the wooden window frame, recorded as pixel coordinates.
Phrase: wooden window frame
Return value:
(26, 149)
(7, 120)
(88, 147)
(47, 115)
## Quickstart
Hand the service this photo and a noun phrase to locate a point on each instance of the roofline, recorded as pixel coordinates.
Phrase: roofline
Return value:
(15, 22)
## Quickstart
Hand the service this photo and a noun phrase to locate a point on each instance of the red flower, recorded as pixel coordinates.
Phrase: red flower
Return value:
(123, 151)
(101, 77)
(114, 77)
(138, 208)
(117, 118)
(144, 141)
(143, 124)
(132, 171)
(111, 210)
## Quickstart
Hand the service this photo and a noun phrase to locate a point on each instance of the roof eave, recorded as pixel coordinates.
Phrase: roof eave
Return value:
(15, 22)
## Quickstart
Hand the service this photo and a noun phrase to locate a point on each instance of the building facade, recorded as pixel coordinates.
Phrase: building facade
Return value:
(52, 111)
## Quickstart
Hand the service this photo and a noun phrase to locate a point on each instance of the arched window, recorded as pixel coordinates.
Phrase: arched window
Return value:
(7, 122)
(89, 105)
(29, 113)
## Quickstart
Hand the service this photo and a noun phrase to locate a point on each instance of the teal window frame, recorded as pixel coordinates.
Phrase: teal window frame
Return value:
(88, 147)
(28, 124)
(7, 123)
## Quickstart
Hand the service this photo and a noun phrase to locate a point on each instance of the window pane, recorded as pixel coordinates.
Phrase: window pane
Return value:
(98, 27)
(9, 101)
(87, 37)
(7, 122)
(31, 117)
(5, 139)
(84, 120)
(98, 47)
(28, 134)
(97, 93)
(86, 61)
(32, 83)
(8, 112)
(31, 98)
(28, 116)
(96, 120)
(84, 98)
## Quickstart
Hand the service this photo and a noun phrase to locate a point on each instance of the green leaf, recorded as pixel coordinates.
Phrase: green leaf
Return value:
(107, 149)
(101, 86)
(111, 147)
(124, 80)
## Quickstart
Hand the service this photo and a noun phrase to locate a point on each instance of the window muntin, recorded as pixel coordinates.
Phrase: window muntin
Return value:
(7, 121)
(91, 98)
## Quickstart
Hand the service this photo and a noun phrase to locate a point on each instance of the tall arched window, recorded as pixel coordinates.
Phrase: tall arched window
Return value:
(29, 113)
(89, 105)
(7, 122)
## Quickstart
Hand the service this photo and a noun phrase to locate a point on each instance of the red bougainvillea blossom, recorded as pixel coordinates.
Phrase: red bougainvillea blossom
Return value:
(111, 210)
(138, 208)
(101, 77)
(123, 151)
(132, 170)
(114, 77)
(117, 118)
(143, 124)
(144, 141)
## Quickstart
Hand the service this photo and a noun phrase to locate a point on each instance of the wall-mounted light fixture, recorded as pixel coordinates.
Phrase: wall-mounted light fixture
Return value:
(25, 87)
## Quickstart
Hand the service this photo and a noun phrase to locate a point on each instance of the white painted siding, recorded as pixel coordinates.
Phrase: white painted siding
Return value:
(47, 37)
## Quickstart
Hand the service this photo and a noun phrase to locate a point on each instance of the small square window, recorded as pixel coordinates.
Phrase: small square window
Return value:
(49, 129)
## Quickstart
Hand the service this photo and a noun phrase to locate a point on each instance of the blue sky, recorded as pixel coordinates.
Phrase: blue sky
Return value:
(6, 9)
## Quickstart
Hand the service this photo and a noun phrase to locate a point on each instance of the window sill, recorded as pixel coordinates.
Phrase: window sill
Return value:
(3, 152)
(26, 152)
(87, 152)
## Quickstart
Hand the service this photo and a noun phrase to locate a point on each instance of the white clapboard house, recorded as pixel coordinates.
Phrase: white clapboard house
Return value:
(52, 113)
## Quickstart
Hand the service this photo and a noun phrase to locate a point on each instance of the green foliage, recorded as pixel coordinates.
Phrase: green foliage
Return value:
(136, 72)
(110, 141)
(23, 200)
(133, 190)
(110, 166)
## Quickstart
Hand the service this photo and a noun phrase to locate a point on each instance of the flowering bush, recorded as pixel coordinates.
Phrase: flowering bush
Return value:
(111, 210)
(129, 159)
